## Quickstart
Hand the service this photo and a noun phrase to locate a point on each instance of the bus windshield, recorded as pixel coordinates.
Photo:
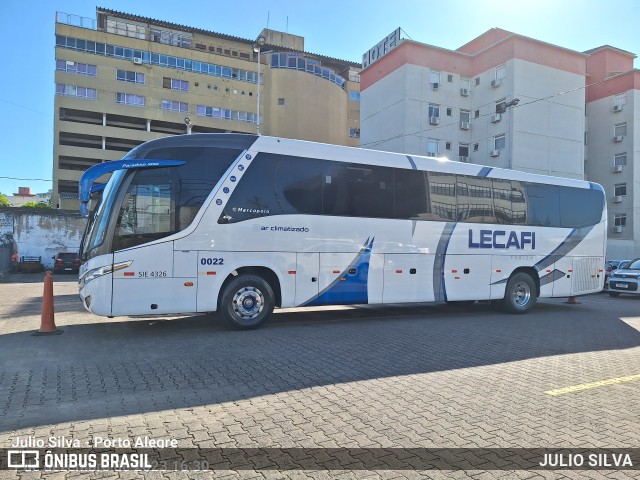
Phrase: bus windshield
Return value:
(98, 221)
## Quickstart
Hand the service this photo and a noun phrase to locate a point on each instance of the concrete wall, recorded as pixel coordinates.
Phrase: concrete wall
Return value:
(41, 232)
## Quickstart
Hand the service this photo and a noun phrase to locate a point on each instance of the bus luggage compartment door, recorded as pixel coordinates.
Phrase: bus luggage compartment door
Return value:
(307, 270)
(467, 277)
(408, 277)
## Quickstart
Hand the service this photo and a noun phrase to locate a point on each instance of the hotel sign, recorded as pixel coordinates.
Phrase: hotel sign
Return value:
(387, 44)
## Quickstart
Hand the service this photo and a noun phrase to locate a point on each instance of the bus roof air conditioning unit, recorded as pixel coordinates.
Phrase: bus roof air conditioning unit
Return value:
(494, 153)
(434, 120)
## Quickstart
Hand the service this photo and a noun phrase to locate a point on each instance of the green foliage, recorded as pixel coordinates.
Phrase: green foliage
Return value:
(4, 201)
(39, 204)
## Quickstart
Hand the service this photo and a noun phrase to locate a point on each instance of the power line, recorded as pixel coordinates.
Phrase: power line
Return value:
(28, 179)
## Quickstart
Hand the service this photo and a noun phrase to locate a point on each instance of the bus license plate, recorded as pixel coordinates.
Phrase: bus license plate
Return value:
(621, 285)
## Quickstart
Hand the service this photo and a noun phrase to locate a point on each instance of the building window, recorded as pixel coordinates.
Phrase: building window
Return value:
(477, 81)
(465, 116)
(620, 159)
(226, 114)
(620, 100)
(450, 78)
(354, 132)
(129, 76)
(620, 130)
(476, 114)
(463, 149)
(170, 38)
(77, 68)
(434, 77)
(620, 189)
(175, 106)
(432, 147)
(447, 145)
(354, 96)
(476, 147)
(175, 84)
(281, 101)
(130, 99)
(620, 220)
(501, 105)
(499, 142)
(465, 82)
(127, 29)
(501, 72)
(434, 110)
(74, 91)
(449, 112)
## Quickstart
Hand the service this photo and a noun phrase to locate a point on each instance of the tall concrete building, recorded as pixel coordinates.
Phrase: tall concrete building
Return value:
(426, 100)
(510, 101)
(124, 79)
(613, 143)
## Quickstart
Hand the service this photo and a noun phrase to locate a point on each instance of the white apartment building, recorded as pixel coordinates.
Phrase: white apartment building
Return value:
(510, 101)
(613, 143)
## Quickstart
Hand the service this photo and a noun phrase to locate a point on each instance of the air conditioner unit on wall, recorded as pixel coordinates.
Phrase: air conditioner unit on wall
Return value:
(494, 153)
(618, 138)
(617, 108)
(137, 60)
(464, 92)
(464, 126)
(496, 117)
(617, 168)
(617, 229)
(434, 120)
(432, 154)
(496, 83)
(464, 159)
(617, 199)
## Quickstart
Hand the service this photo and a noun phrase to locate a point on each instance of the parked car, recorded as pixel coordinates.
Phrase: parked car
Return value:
(610, 266)
(625, 279)
(66, 262)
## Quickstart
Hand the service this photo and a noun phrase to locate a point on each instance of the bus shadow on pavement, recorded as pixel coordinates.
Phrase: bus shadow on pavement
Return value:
(145, 365)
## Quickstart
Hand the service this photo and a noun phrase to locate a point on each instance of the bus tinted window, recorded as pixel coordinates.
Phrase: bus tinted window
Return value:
(580, 207)
(543, 205)
(298, 185)
(195, 179)
(442, 189)
(254, 196)
(412, 199)
(475, 199)
(355, 190)
(510, 206)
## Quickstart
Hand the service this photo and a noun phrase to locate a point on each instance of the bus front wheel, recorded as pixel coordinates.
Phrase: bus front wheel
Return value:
(247, 301)
(520, 295)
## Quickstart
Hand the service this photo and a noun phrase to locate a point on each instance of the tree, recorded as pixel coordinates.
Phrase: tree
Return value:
(4, 201)
(40, 204)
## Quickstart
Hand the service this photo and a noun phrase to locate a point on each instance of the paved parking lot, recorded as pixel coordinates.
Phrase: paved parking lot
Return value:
(430, 376)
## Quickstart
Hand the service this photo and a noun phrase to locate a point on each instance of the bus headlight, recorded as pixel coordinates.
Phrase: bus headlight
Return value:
(99, 272)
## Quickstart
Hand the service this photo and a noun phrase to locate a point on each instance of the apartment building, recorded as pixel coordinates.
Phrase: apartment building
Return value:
(123, 79)
(510, 101)
(493, 101)
(613, 143)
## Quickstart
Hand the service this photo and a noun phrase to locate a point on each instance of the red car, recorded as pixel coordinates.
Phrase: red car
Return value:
(66, 262)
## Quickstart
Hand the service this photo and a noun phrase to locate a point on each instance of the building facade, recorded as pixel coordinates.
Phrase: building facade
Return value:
(510, 101)
(613, 143)
(426, 100)
(122, 80)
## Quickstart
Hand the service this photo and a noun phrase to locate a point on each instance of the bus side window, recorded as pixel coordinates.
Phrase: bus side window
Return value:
(299, 185)
(543, 205)
(411, 195)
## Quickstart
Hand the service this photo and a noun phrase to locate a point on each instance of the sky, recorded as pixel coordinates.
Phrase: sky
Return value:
(333, 28)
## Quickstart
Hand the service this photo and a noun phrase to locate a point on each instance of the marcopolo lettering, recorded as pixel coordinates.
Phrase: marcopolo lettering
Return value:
(502, 239)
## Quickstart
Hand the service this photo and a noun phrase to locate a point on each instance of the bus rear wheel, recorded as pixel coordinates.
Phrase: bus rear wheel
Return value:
(247, 301)
(520, 295)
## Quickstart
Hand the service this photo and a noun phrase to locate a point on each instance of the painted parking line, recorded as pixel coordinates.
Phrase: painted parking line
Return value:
(587, 386)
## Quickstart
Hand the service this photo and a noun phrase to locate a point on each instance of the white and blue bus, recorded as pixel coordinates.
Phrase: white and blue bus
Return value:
(240, 224)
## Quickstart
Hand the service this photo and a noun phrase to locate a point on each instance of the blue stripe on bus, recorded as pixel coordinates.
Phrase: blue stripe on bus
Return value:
(439, 286)
(484, 171)
(348, 289)
(413, 164)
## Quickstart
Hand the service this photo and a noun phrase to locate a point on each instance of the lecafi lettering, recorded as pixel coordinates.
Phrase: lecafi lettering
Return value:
(502, 239)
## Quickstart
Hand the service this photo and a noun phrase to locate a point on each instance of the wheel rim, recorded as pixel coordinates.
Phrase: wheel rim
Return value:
(248, 303)
(521, 294)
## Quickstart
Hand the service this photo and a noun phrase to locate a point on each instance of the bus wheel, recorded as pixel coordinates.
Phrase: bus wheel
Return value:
(247, 301)
(520, 294)
(614, 294)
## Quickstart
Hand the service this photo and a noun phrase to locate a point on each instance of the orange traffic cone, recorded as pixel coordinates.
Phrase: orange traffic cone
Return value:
(572, 301)
(47, 322)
